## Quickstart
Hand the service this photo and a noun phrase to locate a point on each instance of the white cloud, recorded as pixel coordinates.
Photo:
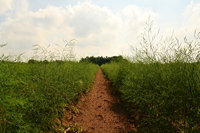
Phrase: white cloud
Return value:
(20, 6)
(192, 13)
(93, 25)
(192, 17)
(13, 6)
(5, 5)
(89, 24)
(98, 30)
(190, 22)
(136, 18)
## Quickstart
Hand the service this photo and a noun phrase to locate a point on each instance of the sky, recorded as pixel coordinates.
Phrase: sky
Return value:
(96, 27)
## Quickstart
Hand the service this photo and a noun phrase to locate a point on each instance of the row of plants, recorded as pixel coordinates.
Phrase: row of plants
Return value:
(35, 95)
(161, 85)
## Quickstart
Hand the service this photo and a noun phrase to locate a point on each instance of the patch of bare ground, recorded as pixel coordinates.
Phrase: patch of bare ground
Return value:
(100, 111)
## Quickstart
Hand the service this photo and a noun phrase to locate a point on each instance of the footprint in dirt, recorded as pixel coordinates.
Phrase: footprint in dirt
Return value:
(99, 117)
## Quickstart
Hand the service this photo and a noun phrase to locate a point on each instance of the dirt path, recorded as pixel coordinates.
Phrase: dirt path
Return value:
(100, 111)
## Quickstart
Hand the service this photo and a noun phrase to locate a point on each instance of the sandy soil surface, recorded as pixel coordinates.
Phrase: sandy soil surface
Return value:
(100, 111)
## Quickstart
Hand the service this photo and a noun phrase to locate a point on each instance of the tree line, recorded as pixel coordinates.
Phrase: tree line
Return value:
(101, 60)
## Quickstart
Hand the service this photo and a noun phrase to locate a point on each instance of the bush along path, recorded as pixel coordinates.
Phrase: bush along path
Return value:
(99, 111)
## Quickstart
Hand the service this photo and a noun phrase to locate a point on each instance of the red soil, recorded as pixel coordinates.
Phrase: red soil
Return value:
(100, 111)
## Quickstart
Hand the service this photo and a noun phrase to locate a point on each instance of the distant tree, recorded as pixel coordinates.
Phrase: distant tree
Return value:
(32, 61)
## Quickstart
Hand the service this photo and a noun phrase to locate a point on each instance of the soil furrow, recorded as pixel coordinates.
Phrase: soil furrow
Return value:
(100, 110)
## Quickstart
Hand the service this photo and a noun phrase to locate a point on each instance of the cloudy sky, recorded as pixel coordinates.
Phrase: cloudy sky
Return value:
(100, 27)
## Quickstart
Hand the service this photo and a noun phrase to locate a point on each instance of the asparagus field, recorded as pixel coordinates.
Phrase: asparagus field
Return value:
(161, 84)
(35, 95)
